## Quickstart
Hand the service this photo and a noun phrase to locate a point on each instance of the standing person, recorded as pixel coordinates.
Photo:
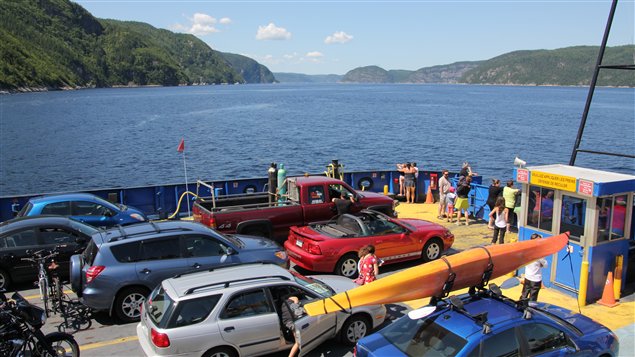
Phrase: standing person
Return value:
(409, 182)
(499, 215)
(343, 204)
(368, 265)
(450, 197)
(462, 192)
(495, 191)
(510, 193)
(533, 276)
(444, 187)
(291, 310)
(402, 177)
(15, 207)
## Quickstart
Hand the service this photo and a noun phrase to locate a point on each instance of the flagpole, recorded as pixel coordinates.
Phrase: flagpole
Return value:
(187, 190)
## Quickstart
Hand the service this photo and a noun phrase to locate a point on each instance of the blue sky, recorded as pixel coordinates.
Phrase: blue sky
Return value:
(333, 37)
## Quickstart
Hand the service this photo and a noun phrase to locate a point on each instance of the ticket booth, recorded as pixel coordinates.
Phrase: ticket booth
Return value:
(596, 207)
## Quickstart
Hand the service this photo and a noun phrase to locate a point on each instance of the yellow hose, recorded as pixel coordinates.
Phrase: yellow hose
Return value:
(178, 206)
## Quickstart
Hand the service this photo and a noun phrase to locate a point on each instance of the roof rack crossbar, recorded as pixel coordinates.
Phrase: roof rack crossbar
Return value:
(122, 233)
(226, 284)
(224, 266)
(155, 226)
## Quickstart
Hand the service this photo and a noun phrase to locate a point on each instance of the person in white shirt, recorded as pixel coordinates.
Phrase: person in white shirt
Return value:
(533, 277)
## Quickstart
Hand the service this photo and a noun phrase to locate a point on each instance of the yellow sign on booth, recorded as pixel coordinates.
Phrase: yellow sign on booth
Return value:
(560, 182)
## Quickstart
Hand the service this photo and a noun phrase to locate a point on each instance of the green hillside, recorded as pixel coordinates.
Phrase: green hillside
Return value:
(564, 66)
(250, 70)
(61, 45)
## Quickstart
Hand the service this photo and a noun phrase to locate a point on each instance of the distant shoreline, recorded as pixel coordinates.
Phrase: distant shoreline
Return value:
(56, 89)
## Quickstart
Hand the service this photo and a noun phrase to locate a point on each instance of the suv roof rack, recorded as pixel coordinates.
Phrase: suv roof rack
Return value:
(124, 234)
(225, 284)
(230, 265)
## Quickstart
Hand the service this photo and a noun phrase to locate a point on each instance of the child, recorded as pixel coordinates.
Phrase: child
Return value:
(449, 202)
(532, 281)
(500, 216)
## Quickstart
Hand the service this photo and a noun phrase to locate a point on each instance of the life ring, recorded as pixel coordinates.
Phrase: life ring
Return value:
(365, 183)
(250, 189)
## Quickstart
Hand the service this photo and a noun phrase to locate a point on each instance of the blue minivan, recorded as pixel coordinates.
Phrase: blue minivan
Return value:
(84, 207)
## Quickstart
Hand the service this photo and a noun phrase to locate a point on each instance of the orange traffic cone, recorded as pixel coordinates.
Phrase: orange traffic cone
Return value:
(429, 198)
(608, 297)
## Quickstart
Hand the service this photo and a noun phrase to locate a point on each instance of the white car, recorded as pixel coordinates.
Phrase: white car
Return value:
(235, 311)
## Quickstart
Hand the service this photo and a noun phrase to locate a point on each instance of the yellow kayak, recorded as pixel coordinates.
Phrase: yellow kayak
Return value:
(428, 279)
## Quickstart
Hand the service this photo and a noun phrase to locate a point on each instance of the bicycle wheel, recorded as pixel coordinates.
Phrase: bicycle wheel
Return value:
(63, 344)
(44, 294)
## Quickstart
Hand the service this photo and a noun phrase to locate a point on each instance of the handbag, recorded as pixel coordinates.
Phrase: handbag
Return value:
(359, 280)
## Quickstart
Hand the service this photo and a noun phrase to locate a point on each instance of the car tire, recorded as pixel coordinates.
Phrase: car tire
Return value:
(354, 328)
(221, 352)
(432, 250)
(5, 280)
(128, 303)
(347, 266)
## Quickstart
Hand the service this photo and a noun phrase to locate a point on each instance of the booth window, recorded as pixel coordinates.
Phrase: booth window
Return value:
(612, 217)
(572, 216)
(540, 208)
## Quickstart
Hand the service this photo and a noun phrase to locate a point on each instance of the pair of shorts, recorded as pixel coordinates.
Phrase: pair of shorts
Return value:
(461, 203)
(409, 183)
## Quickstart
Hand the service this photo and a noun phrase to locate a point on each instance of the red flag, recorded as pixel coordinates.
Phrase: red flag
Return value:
(181, 147)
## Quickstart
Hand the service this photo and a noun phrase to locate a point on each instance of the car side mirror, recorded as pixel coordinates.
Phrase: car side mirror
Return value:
(230, 251)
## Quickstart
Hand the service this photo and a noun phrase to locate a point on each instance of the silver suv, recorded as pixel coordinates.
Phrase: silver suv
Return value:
(120, 266)
(235, 311)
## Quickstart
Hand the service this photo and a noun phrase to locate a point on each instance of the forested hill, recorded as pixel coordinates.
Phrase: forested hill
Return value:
(564, 66)
(51, 44)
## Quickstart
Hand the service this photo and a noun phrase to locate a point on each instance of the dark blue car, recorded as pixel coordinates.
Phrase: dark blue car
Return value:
(487, 325)
(83, 207)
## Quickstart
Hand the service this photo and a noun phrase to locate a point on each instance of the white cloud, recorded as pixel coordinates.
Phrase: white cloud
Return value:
(338, 37)
(201, 24)
(272, 32)
(313, 56)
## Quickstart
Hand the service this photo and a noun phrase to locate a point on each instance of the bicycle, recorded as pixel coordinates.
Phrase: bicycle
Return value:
(77, 316)
(40, 260)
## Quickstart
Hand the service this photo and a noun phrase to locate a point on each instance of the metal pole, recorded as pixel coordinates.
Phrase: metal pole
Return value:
(187, 190)
(593, 83)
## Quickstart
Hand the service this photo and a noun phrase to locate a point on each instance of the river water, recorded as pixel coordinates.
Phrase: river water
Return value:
(121, 137)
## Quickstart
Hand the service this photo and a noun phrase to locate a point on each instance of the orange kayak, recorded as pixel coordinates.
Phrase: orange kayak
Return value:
(428, 279)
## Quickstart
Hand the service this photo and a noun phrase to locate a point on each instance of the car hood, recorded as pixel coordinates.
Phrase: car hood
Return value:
(376, 345)
(418, 223)
(256, 243)
(583, 323)
(336, 282)
(374, 195)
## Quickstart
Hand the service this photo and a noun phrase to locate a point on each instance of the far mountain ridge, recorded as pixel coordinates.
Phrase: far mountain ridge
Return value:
(563, 66)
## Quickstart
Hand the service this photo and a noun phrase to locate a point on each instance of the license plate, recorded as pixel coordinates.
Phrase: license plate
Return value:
(299, 243)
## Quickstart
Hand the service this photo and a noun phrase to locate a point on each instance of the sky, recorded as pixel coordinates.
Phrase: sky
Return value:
(334, 37)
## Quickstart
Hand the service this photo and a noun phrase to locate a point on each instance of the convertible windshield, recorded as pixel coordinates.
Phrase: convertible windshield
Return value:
(314, 285)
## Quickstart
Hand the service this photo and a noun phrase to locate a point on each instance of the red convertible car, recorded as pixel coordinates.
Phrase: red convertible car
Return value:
(332, 246)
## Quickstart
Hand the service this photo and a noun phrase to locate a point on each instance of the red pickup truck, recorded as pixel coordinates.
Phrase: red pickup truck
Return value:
(308, 199)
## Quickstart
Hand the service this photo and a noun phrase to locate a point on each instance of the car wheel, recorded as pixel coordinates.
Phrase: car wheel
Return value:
(354, 329)
(221, 352)
(432, 250)
(128, 303)
(347, 266)
(5, 280)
